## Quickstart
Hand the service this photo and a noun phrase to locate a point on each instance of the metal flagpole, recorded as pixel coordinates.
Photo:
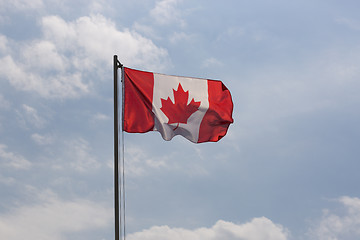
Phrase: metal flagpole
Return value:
(116, 149)
(119, 180)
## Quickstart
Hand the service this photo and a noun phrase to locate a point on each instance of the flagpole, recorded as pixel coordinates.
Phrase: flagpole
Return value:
(119, 181)
(116, 149)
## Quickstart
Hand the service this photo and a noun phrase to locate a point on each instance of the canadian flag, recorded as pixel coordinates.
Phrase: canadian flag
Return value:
(198, 109)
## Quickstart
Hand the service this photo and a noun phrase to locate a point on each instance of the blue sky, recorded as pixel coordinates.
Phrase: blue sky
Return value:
(287, 169)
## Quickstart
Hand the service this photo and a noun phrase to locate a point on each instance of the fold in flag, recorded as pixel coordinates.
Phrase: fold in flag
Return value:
(198, 109)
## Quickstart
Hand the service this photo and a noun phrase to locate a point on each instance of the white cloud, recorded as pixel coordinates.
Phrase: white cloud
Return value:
(42, 139)
(58, 65)
(96, 39)
(70, 155)
(80, 157)
(22, 77)
(211, 62)
(29, 115)
(337, 226)
(12, 160)
(165, 12)
(98, 6)
(54, 218)
(257, 229)
(146, 30)
(180, 37)
(138, 163)
(100, 117)
(43, 56)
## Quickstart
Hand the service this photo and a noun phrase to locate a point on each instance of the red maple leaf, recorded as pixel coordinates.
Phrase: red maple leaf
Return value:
(180, 111)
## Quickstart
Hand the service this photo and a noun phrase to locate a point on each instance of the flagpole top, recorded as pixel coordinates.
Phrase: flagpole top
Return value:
(118, 63)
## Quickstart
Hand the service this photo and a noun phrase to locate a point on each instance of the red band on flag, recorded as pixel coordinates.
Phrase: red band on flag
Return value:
(219, 115)
(138, 115)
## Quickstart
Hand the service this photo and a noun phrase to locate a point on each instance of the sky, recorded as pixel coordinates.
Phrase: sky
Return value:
(287, 169)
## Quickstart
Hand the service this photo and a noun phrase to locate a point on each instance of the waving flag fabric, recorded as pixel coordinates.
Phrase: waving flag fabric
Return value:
(198, 109)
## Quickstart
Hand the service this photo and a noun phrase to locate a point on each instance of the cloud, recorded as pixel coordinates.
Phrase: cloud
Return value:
(72, 155)
(4, 104)
(21, 4)
(257, 229)
(23, 77)
(180, 37)
(211, 62)
(100, 117)
(165, 13)
(12, 160)
(6, 180)
(54, 218)
(97, 6)
(30, 115)
(146, 30)
(96, 39)
(42, 139)
(336, 226)
(79, 153)
(3, 43)
(138, 163)
(64, 62)
(38, 53)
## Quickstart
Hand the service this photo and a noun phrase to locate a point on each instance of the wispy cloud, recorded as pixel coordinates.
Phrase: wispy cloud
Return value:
(140, 162)
(100, 117)
(21, 5)
(339, 225)
(78, 155)
(4, 104)
(3, 44)
(12, 160)
(165, 12)
(180, 36)
(30, 116)
(42, 139)
(211, 62)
